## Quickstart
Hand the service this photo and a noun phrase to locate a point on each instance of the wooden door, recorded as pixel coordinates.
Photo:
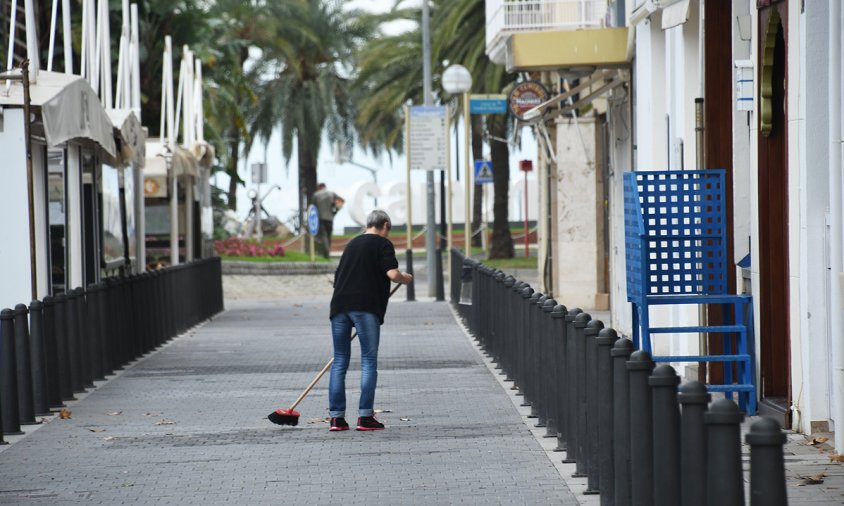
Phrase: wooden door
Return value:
(773, 334)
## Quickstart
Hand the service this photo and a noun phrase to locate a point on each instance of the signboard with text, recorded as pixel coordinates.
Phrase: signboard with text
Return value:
(488, 104)
(428, 138)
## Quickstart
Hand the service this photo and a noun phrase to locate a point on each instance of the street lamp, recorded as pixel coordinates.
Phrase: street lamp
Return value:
(457, 80)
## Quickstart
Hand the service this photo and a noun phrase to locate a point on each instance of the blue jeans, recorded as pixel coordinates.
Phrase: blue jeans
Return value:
(369, 334)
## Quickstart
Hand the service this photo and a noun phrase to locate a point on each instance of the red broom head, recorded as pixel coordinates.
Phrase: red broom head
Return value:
(284, 417)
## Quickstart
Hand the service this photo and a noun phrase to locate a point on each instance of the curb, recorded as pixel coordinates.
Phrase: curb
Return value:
(276, 268)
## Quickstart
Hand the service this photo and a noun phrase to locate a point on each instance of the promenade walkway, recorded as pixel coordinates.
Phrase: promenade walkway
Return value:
(187, 424)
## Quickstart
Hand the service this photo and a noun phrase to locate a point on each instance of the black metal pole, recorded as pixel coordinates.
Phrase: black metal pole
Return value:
(9, 375)
(693, 398)
(666, 431)
(724, 478)
(639, 367)
(621, 351)
(767, 466)
(37, 359)
(605, 340)
(558, 316)
(582, 469)
(592, 446)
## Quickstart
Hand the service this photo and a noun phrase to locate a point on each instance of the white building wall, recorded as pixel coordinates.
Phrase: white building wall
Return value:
(813, 404)
(796, 200)
(15, 280)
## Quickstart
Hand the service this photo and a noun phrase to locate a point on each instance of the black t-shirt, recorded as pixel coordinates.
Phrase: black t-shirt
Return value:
(361, 282)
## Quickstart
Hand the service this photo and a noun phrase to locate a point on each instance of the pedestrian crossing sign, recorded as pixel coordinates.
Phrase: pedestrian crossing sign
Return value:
(483, 171)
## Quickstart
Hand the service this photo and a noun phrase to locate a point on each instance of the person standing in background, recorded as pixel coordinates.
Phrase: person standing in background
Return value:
(328, 204)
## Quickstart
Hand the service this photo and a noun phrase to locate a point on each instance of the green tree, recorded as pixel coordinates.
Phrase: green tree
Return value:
(390, 76)
(306, 67)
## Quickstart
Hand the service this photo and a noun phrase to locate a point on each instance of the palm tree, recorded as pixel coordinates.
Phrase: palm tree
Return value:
(306, 67)
(390, 75)
(460, 37)
(233, 27)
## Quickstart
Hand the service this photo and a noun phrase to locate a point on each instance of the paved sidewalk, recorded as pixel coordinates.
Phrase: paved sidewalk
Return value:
(187, 424)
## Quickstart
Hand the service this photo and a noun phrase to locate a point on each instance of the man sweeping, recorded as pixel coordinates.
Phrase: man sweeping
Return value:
(361, 291)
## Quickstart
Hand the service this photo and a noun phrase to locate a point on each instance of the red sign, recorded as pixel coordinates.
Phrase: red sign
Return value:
(525, 96)
(526, 165)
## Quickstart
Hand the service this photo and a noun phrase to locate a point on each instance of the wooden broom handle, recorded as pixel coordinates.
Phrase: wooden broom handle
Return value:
(328, 365)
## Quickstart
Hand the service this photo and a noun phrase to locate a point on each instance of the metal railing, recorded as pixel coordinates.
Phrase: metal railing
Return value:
(634, 435)
(57, 347)
(508, 16)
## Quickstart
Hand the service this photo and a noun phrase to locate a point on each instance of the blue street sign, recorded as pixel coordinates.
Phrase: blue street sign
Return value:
(483, 171)
(488, 104)
(313, 220)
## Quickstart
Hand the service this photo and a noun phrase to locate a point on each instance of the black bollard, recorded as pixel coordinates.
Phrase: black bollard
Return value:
(51, 355)
(605, 340)
(92, 327)
(521, 380)
(580, 382)
(549, 373)
(558, 321)
(639, 368)
(84, 338)
(724, 479)
(530, 355)
(592, 438)
(72, 328)
(37, 359)
(63, 347)
(693, 398)
(571, 387)
(666, 435)
(26, 404)
(767, 466)
(9, 375)
(411, 288)
(621, 351)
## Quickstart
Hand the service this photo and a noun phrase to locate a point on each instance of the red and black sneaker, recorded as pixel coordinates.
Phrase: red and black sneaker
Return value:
(369, 423)
(338, 424)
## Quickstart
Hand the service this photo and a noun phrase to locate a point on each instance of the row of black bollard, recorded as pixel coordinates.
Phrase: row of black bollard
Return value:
(629, 427)
(61, 345)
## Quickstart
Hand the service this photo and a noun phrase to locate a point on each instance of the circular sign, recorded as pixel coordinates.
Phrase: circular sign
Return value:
(313, 220)
(525, 96)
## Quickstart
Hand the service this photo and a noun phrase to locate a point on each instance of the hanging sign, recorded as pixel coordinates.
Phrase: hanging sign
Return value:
(313, 220)
(428, 138)
(525, 96)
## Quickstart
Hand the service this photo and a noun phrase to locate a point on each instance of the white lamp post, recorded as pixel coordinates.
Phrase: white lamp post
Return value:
(457, 80)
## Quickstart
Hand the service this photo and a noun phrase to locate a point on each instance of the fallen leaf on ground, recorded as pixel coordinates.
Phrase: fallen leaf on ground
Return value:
(836, 457)
(813, 480)
(109, 438)
(817, 440)
(115, 413)
(96, 429)
(64, 414)
(166, 422)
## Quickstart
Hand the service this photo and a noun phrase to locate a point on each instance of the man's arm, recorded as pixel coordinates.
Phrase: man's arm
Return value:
(398, 276)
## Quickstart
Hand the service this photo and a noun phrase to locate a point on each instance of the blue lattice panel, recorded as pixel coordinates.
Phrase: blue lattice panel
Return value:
(633, 232)
(683, 241)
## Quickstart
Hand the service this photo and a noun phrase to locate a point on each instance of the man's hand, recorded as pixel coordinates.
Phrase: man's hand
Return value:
(397, 276)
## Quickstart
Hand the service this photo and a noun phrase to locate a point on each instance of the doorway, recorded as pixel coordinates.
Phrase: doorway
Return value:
(775, 391)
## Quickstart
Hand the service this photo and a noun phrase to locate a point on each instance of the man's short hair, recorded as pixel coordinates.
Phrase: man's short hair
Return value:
(320, 186)
(377, 219)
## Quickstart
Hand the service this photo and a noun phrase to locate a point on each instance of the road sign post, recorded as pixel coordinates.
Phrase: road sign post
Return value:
(313, 228)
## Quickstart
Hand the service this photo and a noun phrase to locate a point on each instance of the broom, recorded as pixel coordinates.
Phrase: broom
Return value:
(290, 416)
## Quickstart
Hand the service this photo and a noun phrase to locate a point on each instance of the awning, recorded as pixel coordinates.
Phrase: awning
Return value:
(155, 171)
(131, 134)
(69, 108)
(675, 14)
